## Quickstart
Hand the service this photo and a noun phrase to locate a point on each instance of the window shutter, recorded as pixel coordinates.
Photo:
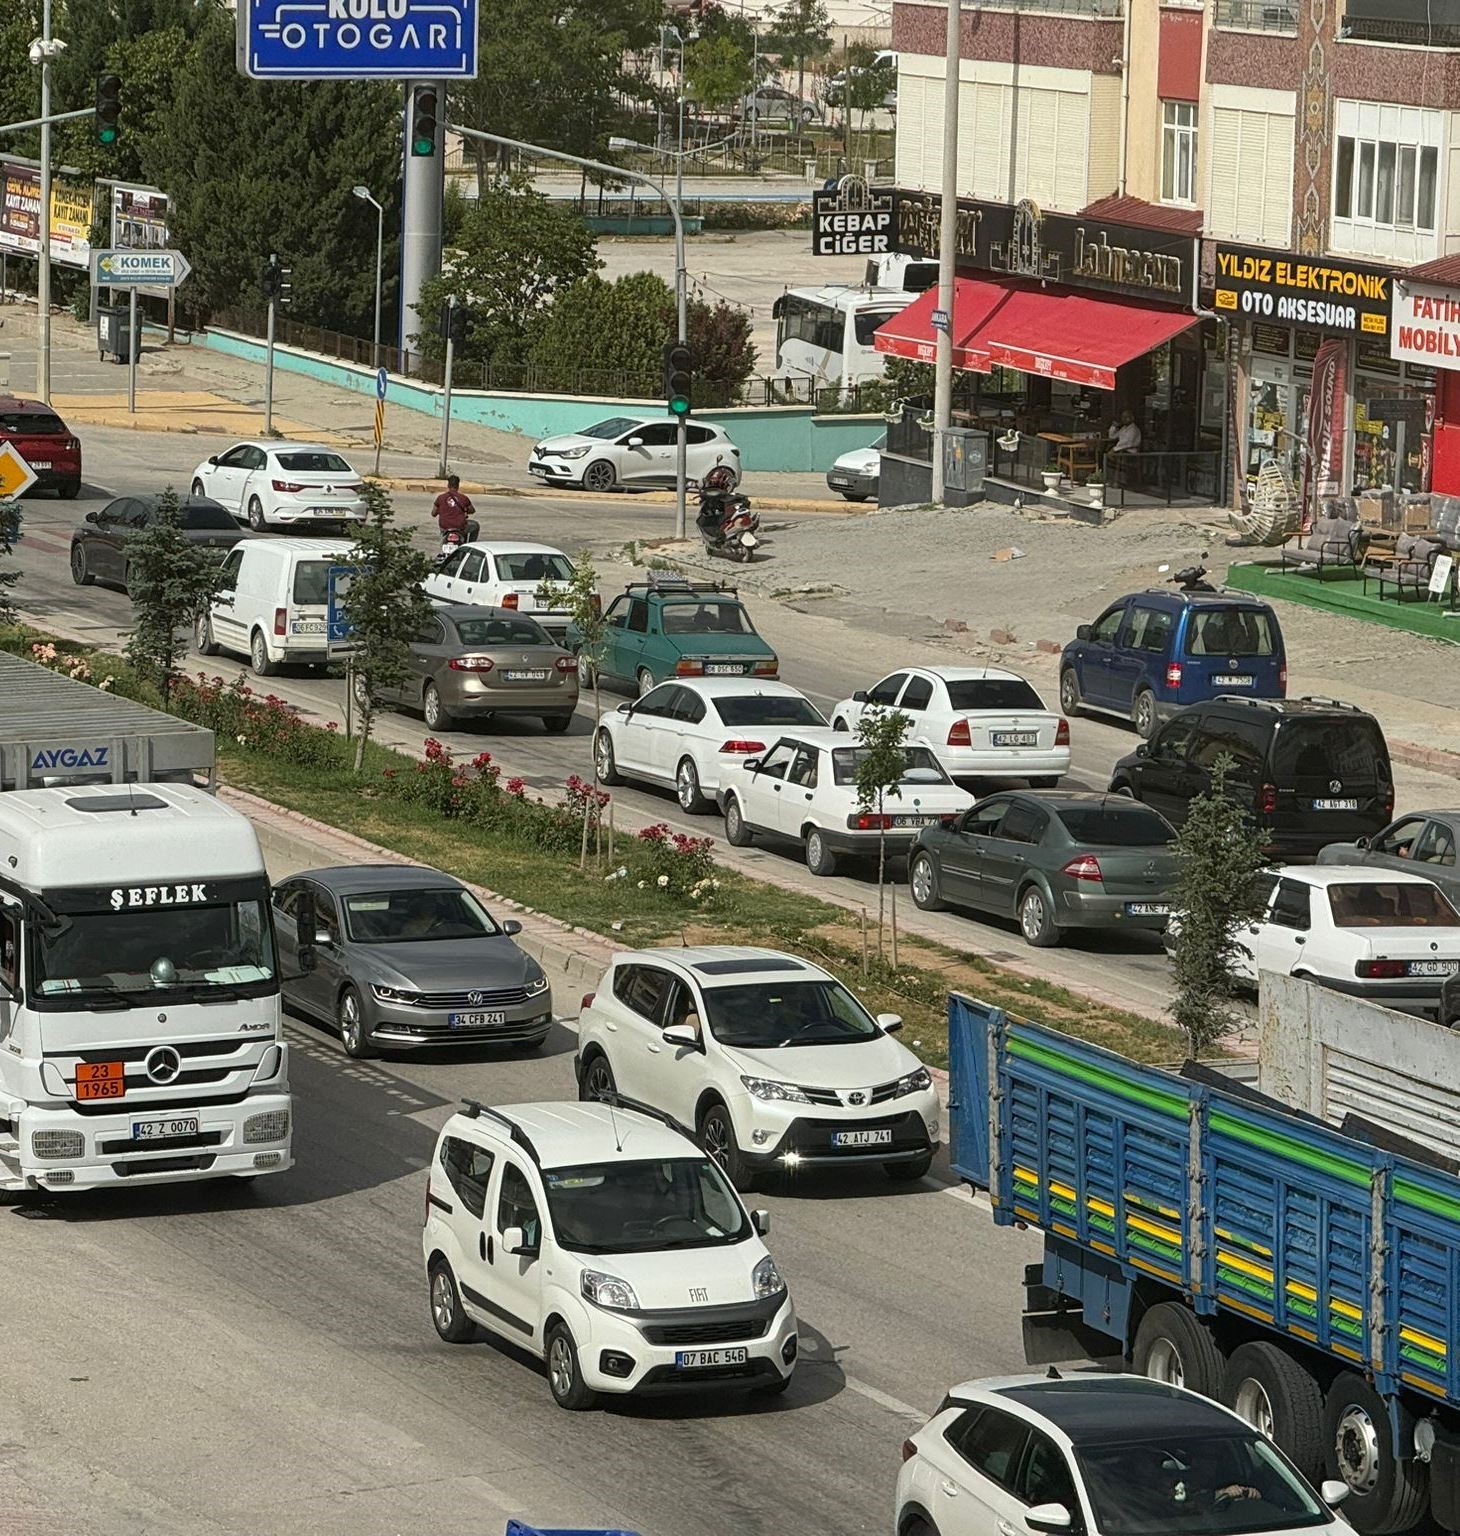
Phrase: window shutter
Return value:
(908, 148)
(1222, 201)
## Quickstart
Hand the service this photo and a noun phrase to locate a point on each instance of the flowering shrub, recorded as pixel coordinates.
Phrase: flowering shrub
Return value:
(268, 724)
(677, 863)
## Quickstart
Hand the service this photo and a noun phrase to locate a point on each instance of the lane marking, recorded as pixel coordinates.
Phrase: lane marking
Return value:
(883, 1399)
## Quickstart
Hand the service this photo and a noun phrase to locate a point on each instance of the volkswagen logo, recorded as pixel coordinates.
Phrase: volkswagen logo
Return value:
(1151, 867)
(857, 1098)
(1334, 785)
(163, 1065)
(1232, 662)
(476, 998)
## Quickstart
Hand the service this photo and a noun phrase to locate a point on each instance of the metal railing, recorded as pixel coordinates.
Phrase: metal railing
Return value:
(1181, 476)
(1259, 15)
(1103, 10)
(1441, 29)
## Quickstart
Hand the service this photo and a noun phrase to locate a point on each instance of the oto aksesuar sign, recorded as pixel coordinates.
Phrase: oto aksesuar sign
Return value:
(1321, 293)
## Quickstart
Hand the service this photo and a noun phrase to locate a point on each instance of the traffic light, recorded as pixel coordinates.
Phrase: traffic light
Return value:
(679, 363)
(459, 319)
(275, 281)
(108, 109)
(425, 126)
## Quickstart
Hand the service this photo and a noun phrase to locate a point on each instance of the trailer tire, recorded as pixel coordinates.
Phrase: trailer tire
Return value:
(1385, 1495)
(1273, 1392)
(1175, 1346)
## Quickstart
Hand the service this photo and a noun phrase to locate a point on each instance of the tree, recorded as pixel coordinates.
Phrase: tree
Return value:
(171, 583)
(800, 32)
(9, 536)
(879, 773)
(1219, 857)
(868, 79)
(717, 71)
(516, 251)
(384, 607)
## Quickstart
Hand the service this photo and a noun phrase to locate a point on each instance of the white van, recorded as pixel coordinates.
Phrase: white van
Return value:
(272, 606)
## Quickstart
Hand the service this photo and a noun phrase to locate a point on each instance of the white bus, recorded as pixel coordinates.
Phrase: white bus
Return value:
(824, 335)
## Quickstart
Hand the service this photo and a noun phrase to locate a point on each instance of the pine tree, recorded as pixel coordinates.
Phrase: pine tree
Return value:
(9, 537)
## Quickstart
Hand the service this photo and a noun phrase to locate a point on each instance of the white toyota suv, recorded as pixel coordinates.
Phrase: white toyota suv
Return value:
(771, 1059)
(599, 1238)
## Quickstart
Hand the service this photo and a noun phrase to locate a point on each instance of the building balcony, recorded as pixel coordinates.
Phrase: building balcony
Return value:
(1280, 16)
(1410, 23)
(1099, 10)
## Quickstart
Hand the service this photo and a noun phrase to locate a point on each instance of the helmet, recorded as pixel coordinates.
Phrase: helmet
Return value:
(720, 478)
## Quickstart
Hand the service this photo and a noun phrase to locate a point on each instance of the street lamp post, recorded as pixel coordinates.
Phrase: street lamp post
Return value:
(681, 297)
(363, 193)
(43, 50)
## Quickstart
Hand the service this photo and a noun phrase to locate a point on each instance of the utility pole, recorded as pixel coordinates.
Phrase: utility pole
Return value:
(134, 346)
(947, 250)
(43, 255)
(273, 286)
(421, 198)
(441, 469)
(681, 431)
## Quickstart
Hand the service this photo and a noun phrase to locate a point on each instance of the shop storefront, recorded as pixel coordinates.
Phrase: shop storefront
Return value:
(1425, 338)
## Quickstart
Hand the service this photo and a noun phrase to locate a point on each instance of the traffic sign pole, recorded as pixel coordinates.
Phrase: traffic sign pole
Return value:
(382, 383)
(133, 348)
(269, 372)
(446, 398)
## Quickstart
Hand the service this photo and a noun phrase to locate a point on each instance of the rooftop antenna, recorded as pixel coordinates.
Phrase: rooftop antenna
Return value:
(618, 1145)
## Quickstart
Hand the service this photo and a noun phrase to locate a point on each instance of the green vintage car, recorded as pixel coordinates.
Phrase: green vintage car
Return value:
(667, 628)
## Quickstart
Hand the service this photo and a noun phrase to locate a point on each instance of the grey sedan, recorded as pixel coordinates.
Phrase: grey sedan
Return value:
(1422, 843)
(403, 955)
(99, 546)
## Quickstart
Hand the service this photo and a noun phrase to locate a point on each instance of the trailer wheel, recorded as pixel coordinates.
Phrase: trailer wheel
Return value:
(1173, 1345)
(1272, 1391)
(1385, 1495)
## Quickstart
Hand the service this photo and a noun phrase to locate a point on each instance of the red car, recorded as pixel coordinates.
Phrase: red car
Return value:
(44, 441)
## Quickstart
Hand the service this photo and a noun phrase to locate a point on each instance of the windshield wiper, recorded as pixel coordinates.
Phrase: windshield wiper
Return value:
(93, 999)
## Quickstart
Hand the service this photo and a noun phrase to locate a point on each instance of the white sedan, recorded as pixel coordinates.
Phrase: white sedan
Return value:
(631, 450)
(505, 573)
(695, 734)
(804, 790)
(976, 721)
(283, 484)
(1386, 935)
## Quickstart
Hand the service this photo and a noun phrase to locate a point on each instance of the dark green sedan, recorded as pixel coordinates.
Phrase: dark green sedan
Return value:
(1053, 860)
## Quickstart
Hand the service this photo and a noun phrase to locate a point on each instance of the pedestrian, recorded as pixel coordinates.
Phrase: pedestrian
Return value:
(1125, 436)
(453, 509)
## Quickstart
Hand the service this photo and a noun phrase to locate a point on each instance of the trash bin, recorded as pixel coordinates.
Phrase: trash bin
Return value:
(113, 332)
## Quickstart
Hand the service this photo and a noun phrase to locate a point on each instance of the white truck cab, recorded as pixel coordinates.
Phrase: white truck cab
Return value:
(140, 1037)
(601, 1239)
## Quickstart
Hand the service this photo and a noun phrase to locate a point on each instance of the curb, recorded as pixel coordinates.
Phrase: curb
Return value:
(646, 498)
(1416, 756)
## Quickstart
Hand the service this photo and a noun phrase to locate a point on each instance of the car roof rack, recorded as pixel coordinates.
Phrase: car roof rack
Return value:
(476, 1110)
(1327, 703)
(619, 1101)
(659, 581)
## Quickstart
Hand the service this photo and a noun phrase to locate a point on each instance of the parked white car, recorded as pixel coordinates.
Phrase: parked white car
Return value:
(1385, 935)
(856, 474)
(631, 450)
(977, 721)
(283, 484)
(606, 1243)
(505, 573)
(803, 790)
(772, 1061)
(695, 734)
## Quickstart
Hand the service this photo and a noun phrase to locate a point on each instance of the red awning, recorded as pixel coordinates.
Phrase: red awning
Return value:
(1079, 337)
(910, 334)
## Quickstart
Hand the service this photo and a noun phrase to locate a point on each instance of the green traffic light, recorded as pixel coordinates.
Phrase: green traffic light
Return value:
(679, 406)
(423, 146)
(107, 136)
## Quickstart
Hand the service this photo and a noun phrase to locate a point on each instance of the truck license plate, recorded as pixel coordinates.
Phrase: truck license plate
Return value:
(100, 1080)
(474, 1020)
(1014, 738)
(878, 1136)
(165, 1128)
(698, 1359)
(1433, 967)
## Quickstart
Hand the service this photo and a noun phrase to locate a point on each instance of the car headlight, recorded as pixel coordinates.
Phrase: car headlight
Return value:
(765, 1089)
(535, 986)
(914, 1082)
(767, 1279)
(567, 453)
(608, 1291)
(394, 995)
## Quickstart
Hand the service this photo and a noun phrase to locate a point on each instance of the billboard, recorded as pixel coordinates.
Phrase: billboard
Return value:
(20, 214)
(139, 219)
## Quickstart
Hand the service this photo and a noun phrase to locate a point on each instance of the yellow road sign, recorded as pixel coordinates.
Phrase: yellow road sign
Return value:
(16, 476)
(379, 422)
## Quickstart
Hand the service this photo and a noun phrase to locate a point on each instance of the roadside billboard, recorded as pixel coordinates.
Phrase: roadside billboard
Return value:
(20, 214)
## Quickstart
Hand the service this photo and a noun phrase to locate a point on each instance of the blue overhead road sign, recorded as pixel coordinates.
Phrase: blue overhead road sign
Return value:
(357, 39)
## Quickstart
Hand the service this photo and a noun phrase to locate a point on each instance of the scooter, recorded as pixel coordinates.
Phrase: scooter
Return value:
(453, 538)
(726, 523)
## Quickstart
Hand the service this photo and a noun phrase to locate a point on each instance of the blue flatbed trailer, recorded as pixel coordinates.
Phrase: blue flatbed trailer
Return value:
(1210, 1235)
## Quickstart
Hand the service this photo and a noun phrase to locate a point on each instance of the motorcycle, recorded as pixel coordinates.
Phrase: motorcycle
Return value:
(725, 520)
(453, 538)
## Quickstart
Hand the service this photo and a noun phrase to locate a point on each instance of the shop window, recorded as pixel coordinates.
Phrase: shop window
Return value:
(1178, 152)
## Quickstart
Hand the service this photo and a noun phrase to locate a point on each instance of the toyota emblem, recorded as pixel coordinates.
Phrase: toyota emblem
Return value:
(163, 1064)
(857, 1098)
(1334, 785)
(476, 998)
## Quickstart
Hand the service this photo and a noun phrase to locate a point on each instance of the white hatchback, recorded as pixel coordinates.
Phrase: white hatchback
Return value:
(772, 1060)
(977, 721)
(283, 484)
(631, 450)
(695, 734)
(602, 1240)
(505, 573)
(803, 790)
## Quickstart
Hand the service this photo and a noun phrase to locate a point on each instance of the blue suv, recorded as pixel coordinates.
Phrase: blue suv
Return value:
(1152, 652)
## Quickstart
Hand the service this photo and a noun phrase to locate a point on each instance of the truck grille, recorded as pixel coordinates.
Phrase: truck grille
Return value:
(171, 1143)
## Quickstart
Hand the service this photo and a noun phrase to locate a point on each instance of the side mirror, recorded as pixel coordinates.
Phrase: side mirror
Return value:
(625, 710)
(761, 1221)
(889, 1023)
(751, 765)
(1082, 632)
(1362, 842)
(511, 927)
(1143, 749)
(860, 696)
(680, 1035)
(93, 517)
(323, 938)
(213, 459)
(514, 1241)
(635, 442)
(1052, 1518)
(1332, 1491)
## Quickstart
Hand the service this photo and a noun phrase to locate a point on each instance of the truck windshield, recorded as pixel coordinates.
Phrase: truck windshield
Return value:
(191, 950)
(643, 1207)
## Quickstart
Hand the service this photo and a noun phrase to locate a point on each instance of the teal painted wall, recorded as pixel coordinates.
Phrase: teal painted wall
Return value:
(771, 439)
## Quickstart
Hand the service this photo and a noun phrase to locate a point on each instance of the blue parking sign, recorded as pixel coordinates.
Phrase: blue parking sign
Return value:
(337, 626)
(357, 39)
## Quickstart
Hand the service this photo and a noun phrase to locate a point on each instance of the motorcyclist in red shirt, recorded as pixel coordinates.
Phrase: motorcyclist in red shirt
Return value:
(453, 509)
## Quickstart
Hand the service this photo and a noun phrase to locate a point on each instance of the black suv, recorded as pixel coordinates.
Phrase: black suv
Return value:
(1312, 771)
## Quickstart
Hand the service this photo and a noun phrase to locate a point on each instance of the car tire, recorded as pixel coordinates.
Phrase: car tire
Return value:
(773, 1388)
(1045, 781)
(556, 725)
(840, 724)
(599, 476)
(1069, 692)
(262, 663)
(687, 788)
(565, 1378)
(350, 1020)
(197, 491)
(256, 519)
(68, 490)
(1143, 714)
(434, 712)
(598, 1081)
(922, 878)
(127, 578)
(1384, 1494)
(820, 859)
(447, 1314)
(605, 764)
(587, 675)
(80, 571)
(1124, 790)
(917, 1526)
(849, 496)
(908, 1173)
(716, 1136)
(1174, 1346)
(1266, 1386)
(737, 834)
(1036, 921)
(203, 642)
(644, 681)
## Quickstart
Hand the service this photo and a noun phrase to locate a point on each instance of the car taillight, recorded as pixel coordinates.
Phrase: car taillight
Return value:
(688, 667)
(1283, 681)
(74, 444)
(587, 1002)
(1377, 970)
(566, 663)
(765, 668)
(471, 663)
(909, 1450)
(1389, 801)
(1062, 734)
(959, 734)
(281, 621)
(868, 821)
(1267, 799)
(1173, 675)
(511, 599)
(736, 744)
(287, 485)
(1085, 867)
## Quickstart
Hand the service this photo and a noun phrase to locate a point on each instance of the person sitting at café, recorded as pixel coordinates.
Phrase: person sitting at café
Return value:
(1124, 435)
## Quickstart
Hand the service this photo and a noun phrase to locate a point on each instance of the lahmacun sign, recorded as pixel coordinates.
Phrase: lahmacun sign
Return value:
(1426, 326)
